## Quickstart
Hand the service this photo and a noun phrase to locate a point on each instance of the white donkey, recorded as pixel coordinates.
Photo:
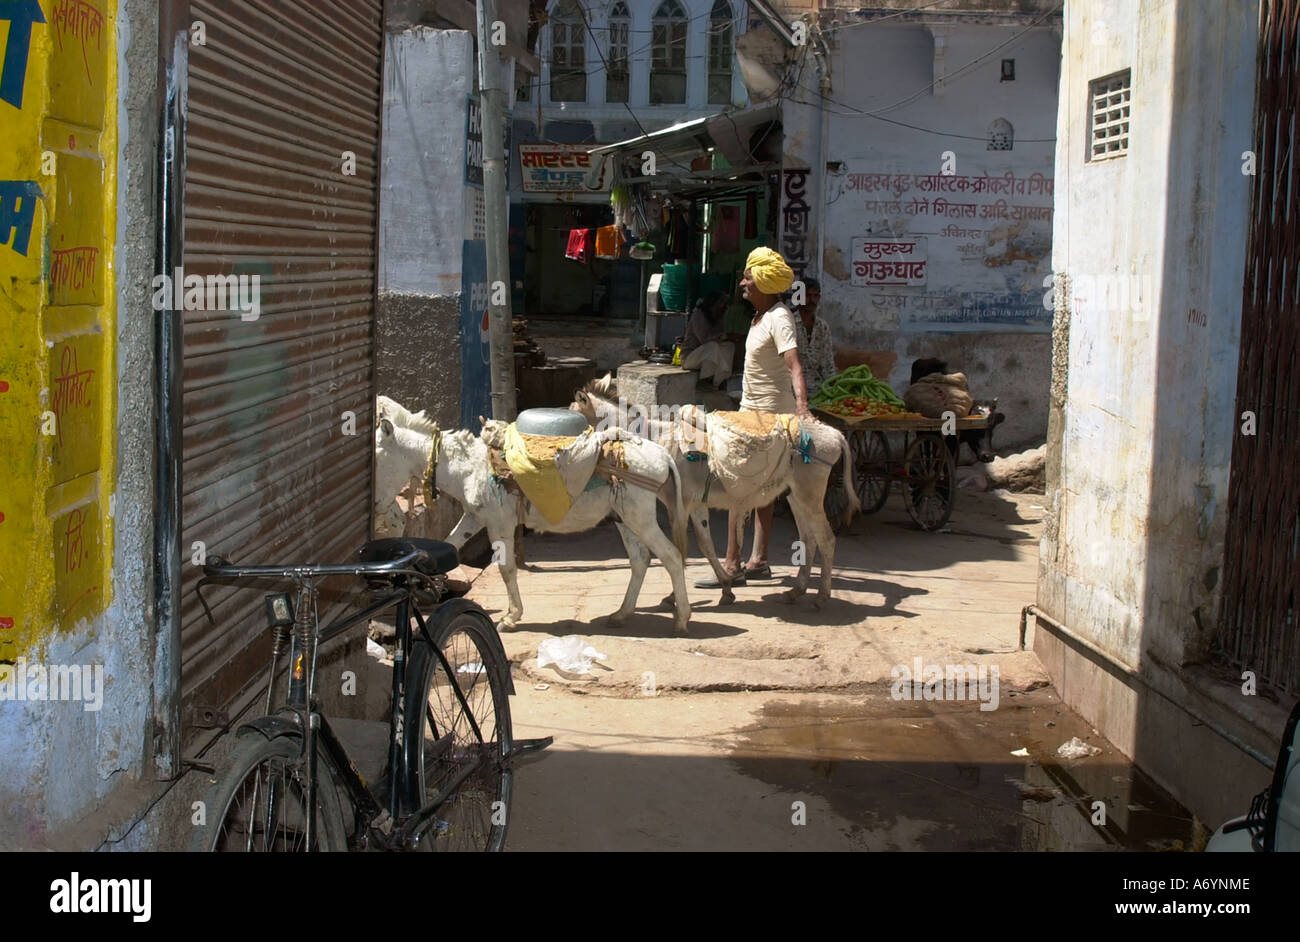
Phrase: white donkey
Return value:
(387, 512)
(462, 469)
(806, 482)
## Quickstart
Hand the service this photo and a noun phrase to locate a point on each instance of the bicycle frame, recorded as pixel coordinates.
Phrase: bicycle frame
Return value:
(403, 820)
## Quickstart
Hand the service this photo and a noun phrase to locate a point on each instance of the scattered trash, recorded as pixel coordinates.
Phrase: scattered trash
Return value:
(375, 650)
(570, 654)
(474, 667)
(1049, 724)
(1076, 748)
(1022, 752)
(541, 686)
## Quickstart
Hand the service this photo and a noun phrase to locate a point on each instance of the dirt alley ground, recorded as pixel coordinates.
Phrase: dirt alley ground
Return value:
(772, 726)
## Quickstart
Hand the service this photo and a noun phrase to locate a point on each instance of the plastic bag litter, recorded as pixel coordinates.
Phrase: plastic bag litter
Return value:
(375, 650)
(570, 654)
(1076, 748)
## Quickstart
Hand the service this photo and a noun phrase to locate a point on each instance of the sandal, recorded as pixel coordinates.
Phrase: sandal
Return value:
(759, 572)
(712, 583)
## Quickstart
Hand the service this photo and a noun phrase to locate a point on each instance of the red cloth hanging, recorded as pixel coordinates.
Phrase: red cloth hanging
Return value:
(726, 229)
(581, 242)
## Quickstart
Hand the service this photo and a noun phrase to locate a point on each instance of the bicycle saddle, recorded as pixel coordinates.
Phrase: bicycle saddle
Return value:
(441, 558)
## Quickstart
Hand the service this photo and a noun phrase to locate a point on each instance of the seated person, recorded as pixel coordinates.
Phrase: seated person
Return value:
(816, 351)
(706, 347)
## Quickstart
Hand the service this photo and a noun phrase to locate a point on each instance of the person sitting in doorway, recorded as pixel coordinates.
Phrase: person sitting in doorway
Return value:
(705, 347)
(816, 350)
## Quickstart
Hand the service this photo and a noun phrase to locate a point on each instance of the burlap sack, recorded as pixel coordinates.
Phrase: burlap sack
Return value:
(938, 393)
(747, 449)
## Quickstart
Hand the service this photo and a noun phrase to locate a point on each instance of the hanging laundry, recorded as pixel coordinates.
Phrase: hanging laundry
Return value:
(726, 229)
(580, 245)
(609, 242)
(751, 216)
(679, 235)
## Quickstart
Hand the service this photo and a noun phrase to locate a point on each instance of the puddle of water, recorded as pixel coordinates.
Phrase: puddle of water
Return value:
(939, 775)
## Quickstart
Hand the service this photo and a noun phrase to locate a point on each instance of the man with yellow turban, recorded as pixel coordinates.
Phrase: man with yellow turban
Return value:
(773, 382)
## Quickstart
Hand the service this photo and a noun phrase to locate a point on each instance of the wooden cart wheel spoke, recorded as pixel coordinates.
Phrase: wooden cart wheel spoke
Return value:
(929, 486)
(871, 469)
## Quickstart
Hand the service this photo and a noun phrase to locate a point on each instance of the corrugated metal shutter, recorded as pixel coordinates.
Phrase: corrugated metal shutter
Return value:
(276, 97)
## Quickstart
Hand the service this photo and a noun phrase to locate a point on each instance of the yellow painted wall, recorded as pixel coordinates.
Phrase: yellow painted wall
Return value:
(58, 375)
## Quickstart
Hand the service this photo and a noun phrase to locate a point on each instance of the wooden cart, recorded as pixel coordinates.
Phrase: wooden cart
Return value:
(923, 466)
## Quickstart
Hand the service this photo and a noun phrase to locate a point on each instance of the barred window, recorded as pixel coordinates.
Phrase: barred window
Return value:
(568, 54)
(1002, 136)
(720, 43)
(668, 54)
(1108, 115)
(616, 79)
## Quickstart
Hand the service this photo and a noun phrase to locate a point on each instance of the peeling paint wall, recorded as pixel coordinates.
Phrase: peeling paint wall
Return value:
(427, 218)
(76, 410)
(974, 223)
(1150, 381)
(1145, 385)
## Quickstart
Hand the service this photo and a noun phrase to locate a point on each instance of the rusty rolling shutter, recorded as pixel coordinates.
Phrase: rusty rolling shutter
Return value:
(277, 96)
(1260, 622)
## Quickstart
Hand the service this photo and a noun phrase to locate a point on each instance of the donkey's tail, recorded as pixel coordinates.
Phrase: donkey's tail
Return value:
(678, 510)
(852, 506)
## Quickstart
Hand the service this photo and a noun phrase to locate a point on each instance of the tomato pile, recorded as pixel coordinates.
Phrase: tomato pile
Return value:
(856, 407)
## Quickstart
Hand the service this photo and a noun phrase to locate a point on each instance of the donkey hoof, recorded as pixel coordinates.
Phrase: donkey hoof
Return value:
(790, 596)
(681, 630)
(615, 619)
(508, 623)
(728, 597)
(668, 603)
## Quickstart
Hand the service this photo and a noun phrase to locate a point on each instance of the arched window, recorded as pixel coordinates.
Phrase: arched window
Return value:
(568, 54)
(1001, 135)
(720, 44)
(668, 54)
(616, 78)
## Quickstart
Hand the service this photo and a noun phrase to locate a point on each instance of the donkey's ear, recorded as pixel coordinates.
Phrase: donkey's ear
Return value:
(386, 426)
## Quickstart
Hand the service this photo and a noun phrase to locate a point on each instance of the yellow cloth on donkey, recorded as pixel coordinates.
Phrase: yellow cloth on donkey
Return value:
(531, 459)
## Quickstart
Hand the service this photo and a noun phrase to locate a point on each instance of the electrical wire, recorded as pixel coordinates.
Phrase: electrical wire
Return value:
(958, 71)
(631, 53)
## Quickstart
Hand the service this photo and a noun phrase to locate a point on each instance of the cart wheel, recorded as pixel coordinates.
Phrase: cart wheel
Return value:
(929, 483)
(871, 469)
(834, 503)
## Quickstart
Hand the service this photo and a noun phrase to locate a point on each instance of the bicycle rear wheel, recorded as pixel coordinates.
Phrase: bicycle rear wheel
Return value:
(458, 733)
(260, 802)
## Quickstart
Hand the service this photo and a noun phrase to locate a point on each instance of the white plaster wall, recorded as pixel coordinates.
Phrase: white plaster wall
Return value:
(1150, 391)
(981, 306)
(428, 76)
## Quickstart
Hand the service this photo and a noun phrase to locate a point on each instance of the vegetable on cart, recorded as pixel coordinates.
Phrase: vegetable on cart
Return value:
(856, 382)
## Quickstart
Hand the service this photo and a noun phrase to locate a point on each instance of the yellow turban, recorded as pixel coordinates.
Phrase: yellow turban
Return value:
(770, 272)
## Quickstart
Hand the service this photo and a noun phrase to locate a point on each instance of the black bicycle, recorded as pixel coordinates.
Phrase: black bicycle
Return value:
(289, 785)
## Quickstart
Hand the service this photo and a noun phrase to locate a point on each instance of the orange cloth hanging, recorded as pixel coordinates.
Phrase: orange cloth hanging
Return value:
(609, 242)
